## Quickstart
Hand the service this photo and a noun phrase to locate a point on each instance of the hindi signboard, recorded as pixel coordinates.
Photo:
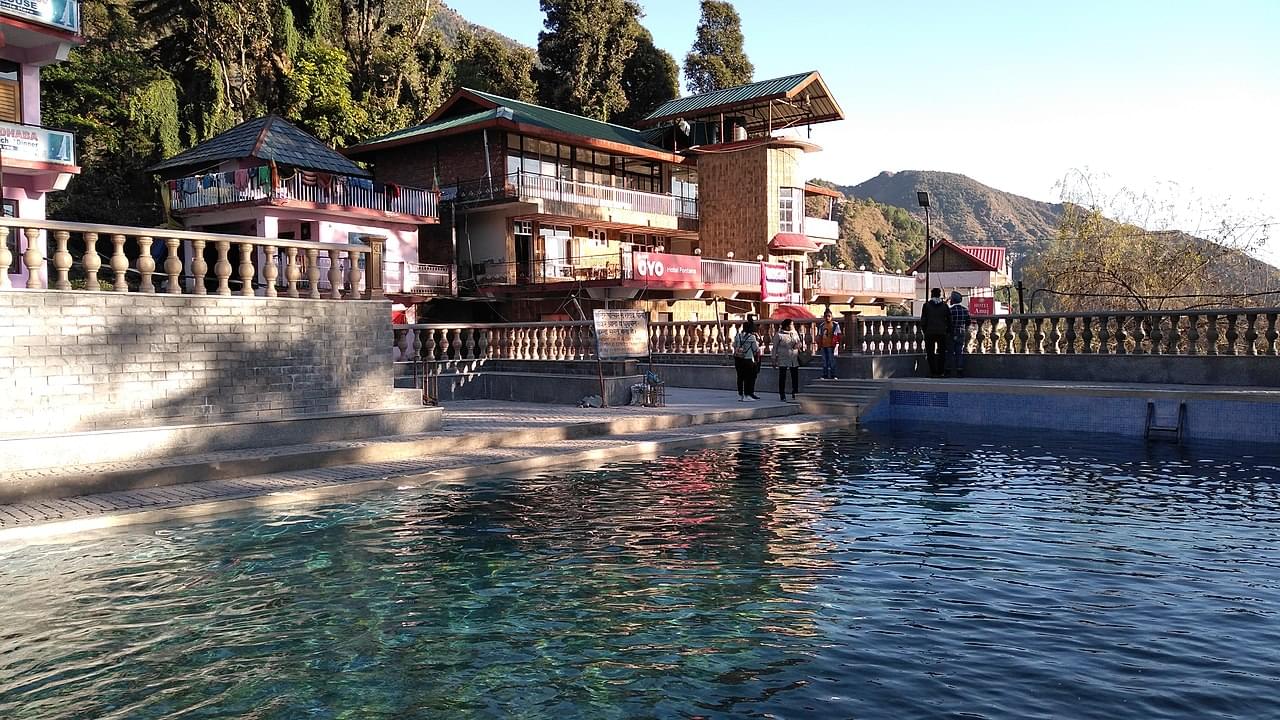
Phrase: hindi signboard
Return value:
(775, 282)
(621, 334)
(667, 270)
(982, 306)
(62, 14)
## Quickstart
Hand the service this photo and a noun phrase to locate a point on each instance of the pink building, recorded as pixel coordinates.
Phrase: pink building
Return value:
(267, 178)
(34, 160)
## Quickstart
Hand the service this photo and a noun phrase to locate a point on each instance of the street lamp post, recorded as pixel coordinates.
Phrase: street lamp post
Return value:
(922, 198)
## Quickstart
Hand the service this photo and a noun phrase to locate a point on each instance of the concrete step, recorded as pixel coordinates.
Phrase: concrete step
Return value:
(74, 480)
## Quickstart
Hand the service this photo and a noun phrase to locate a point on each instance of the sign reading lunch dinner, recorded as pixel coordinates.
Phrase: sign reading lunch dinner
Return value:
(621, 334)
(667, 270)
(64, 14)
(24, 142)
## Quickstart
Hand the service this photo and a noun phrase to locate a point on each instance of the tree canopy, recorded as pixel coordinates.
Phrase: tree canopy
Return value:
(718, 59)
(584, 51)
(650, 78)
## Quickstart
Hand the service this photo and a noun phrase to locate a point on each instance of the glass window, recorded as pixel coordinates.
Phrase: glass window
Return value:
(790, 207)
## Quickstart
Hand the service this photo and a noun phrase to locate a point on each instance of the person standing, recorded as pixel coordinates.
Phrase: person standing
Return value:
(746, 360)
(959, 334)
(786, 357)
(828, 341)
(935, 321)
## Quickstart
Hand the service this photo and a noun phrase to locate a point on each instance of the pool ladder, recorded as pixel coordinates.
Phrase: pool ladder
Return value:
(1157, 431)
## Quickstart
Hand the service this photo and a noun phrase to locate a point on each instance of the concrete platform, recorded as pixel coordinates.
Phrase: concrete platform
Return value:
(487, 439)
(466, 426)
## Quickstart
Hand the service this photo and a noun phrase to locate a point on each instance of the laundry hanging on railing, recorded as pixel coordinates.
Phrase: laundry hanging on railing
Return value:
(393, 190)
(241, 179)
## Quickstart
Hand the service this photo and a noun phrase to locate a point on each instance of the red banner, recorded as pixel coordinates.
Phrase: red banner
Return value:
(667, 270)
(982, 306)
(775, 282)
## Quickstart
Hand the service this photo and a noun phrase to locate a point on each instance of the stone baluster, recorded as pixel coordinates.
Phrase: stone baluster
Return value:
(1070, 336)
(172, 267)
(6, 259)
(1155, 334)
(483, 338)
(1270, 347)
(1174, 337)
(1193, 334)
(1232, 335)
(416, 348)
(1137, 335)
(199, 268)
(246, 269)
(1122, 338)
(119, 263)
(91, 261)
(1212, 335)
(1038, 337)
(271, 269)
(146, 265)
(1054, 337)
(292, 273)
(222, 267)
(429, 347)
(313, 273)
(353, 273)
(471, 348)
(1251, 333)
(33, 258)
(335, 276)
(61, 260)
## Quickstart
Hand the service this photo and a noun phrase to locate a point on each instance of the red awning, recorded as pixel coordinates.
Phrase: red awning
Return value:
(792, 243)
(795, 312)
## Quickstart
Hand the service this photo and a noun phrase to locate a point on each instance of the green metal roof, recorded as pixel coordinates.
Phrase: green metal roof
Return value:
(687, 106)
(526, 114)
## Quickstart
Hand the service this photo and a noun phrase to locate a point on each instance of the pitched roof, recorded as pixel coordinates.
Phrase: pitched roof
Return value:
(265, 138)
(985, 257)
(495, 107)
(756, 99)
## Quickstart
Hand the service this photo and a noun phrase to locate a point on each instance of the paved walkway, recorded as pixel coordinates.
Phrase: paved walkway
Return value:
(541, 442)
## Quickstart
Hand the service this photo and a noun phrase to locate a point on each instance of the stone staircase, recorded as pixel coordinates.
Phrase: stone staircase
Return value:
(842, 397)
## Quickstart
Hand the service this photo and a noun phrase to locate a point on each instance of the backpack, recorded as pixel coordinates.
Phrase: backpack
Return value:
(740, 347)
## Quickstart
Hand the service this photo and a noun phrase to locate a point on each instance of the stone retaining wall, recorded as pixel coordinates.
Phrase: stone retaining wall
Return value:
(77, 361)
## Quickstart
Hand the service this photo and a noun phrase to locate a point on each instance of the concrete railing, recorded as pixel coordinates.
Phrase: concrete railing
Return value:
(572, 340)
(150, 260)
(1231, 331)
(730, 273)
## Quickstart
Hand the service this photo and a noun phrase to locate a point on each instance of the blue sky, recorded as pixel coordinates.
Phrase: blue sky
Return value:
(1178, 98)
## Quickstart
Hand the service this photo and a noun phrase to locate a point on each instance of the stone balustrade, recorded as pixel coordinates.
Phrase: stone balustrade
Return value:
(1241, 331)
(1230, 331)
(68, 256)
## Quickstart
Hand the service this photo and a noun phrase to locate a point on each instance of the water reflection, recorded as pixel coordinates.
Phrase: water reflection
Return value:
(909, 573)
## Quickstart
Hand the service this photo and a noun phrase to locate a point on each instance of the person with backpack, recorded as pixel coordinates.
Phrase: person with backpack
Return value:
(746, 360)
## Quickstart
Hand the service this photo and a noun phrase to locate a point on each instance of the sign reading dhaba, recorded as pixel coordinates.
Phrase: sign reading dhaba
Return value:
(667, 270)
(28, 142)
(62, 14)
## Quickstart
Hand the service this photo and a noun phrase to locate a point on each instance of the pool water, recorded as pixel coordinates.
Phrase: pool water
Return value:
(897, 574)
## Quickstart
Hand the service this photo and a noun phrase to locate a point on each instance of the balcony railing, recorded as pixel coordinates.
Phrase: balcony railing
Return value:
(254, 185)
(821, 228)
(845, 282)
(413, 278)
(730, 273)
(549, 187)
(37, 144)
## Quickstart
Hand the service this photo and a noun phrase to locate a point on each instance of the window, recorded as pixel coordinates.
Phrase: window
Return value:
(790, 210)
(10, 92)
(599, 237)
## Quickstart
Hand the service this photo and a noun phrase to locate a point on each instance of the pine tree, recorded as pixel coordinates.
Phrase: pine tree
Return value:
(584, 51)
(650, 79)
(717, 60)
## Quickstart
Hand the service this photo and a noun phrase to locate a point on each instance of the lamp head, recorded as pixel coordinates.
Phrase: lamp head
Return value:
(922, 198)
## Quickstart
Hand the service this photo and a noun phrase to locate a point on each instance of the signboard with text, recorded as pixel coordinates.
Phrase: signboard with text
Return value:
(775, 282)
(667, 270)
(62, 14)
(37, 144)
(983, 306)
(621, 334)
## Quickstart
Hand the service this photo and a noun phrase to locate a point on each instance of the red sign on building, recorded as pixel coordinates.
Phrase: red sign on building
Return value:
(775, 282)
(983, 306)
(667, 270)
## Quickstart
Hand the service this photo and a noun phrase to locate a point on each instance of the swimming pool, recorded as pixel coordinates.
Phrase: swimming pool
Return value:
(899, 574)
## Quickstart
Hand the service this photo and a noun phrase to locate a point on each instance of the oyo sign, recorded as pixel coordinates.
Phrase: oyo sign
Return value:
(666, 270)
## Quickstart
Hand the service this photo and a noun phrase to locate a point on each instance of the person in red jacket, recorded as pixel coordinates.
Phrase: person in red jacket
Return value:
(828, 342)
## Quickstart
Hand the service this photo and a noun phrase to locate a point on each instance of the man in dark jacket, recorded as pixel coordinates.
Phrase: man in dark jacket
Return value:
(935, 321)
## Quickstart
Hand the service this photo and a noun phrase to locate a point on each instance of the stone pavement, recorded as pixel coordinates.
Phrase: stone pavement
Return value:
(542, 441)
